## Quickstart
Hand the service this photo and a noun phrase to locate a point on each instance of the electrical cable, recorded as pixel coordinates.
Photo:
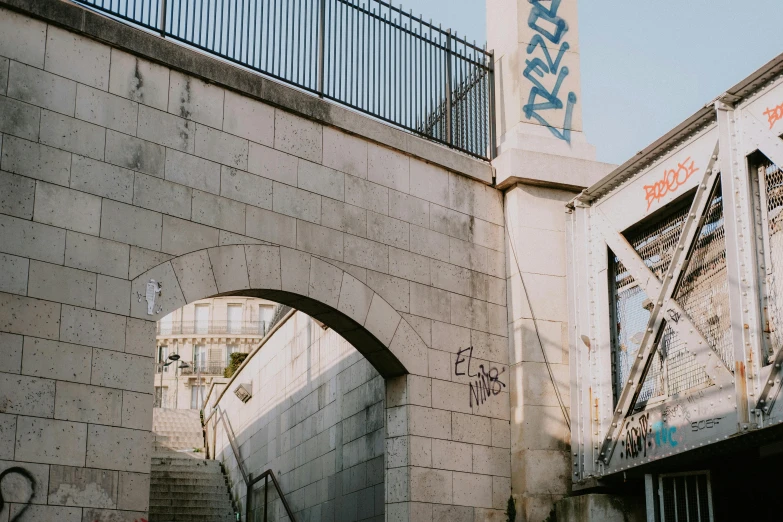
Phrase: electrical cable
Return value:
(535, 326)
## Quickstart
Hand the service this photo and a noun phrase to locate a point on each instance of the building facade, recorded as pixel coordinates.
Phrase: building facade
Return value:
(204, 334)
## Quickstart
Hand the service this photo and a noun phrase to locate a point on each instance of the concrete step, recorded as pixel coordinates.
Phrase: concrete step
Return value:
(186, 463)
(197, 501)
(167, 488)
(187, 479)
(168, 517)
(200, 510)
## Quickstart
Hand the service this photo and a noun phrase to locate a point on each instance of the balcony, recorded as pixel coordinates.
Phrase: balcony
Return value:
(255, 328)
(193, 368)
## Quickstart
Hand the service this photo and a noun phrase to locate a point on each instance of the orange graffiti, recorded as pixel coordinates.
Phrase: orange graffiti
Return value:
(671, 181)
(774, 115)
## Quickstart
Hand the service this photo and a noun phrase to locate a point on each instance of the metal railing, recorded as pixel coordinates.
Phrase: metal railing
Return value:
(204, 368)
(372, 57)
(251, 513)
(212, 327)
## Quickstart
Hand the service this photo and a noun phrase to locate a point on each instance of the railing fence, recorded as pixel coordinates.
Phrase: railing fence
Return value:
(372, 57)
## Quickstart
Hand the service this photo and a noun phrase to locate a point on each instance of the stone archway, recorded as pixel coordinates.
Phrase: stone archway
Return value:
(312, 285)
(295, 278)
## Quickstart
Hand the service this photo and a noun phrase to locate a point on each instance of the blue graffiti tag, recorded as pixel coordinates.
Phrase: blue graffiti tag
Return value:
(538, 67)
(664, 435)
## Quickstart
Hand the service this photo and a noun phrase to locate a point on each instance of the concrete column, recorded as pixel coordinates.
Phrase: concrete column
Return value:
(543, 161)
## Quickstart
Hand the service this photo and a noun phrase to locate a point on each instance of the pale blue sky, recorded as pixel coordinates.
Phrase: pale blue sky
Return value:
(648, 65)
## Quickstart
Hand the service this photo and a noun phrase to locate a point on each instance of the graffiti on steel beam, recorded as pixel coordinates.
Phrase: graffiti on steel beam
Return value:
(635, 442)
(672, 180)
(548, 27)
(22, 472)
(484, 384)
(774, 114)
(705, 424)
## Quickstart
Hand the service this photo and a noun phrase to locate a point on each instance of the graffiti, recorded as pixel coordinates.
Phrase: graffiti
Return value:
(674, 315)
(774, 115)
(635, 442)
(706, 424)
(487, 384)
(671, 181)
(548, 25)
(31, 482)
(664, 435)
(675, 412)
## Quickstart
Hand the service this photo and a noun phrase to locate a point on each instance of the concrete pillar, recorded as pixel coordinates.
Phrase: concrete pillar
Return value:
(543, 161)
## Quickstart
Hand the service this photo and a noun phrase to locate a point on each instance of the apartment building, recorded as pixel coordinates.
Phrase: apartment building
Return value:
(204, 334)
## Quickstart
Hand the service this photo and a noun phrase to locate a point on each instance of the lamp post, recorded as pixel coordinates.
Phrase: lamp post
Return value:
(174, 357)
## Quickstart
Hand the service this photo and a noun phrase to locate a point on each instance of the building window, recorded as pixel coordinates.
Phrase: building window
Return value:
(265, 314)
(231, 348)
(202, 319)
(166, 324)
(235, 318)
(196, 396)
(163, 356)
(199, 358)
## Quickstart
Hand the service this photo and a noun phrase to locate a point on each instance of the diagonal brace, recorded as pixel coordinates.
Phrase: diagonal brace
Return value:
(668, 288)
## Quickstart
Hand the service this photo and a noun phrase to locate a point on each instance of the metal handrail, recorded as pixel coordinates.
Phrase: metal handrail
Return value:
(372, 57)
(247, 478)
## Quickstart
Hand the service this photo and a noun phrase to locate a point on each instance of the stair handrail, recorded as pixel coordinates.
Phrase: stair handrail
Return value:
(248, 478)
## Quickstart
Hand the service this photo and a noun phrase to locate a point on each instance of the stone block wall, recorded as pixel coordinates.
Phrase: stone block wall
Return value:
(125, 157)
(538, 326)
(316, 419)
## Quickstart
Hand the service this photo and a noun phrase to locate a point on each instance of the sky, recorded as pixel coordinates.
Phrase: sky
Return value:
(647, 65)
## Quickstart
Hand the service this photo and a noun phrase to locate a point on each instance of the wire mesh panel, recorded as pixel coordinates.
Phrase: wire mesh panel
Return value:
(631, 320)
(702, 294)
(686, 498)
(771, 179)
(368, 55)
(704, 290)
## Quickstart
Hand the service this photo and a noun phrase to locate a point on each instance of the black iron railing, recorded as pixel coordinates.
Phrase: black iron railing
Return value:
(372, 57)
(258, 328)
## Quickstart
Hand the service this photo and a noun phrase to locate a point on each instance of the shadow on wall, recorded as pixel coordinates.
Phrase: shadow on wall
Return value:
(316, 418)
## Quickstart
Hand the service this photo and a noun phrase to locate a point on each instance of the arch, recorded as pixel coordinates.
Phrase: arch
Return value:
(294, 278)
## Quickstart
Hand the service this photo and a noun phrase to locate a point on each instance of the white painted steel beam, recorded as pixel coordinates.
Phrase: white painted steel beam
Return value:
(664, 293)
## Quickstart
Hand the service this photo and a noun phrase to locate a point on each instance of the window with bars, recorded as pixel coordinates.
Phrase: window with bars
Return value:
(685, 497)
(702, 294)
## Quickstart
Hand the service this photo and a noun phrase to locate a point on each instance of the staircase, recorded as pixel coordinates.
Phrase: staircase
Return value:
(184, 487)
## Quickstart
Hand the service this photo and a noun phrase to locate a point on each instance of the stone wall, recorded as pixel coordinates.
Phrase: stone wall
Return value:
(125, 157)
(316, 419)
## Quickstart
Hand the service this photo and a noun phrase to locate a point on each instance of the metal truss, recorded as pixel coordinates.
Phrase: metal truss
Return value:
(675, 311)
(666, 310)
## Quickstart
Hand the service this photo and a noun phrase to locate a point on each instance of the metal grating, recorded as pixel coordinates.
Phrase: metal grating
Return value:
(631, 320)
(704, 289)
(686, 497)
(703, 295)
(772, 178)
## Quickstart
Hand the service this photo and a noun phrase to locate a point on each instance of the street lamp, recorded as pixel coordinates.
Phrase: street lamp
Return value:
(174, 357)
(163, 365)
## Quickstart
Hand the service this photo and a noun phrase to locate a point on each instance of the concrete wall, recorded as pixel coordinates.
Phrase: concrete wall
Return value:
(316, 419)
(126, 158)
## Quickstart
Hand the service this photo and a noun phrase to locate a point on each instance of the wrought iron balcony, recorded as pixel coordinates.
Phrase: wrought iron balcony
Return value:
(257, 328)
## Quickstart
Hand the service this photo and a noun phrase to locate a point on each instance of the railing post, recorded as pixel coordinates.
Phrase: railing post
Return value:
(163, 14)
(493, 146)
(449, 130)
(266, 481)
(249, 500)
(321, 45)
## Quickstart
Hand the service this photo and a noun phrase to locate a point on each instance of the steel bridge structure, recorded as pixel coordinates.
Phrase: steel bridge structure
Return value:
(676, 295)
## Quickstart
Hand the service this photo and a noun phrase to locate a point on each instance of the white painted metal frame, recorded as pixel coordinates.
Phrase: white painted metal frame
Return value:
(736, 400)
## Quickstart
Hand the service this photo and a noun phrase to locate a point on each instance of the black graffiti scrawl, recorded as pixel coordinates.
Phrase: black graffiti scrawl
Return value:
(31, 481)
(635, 441)
(484, 383)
